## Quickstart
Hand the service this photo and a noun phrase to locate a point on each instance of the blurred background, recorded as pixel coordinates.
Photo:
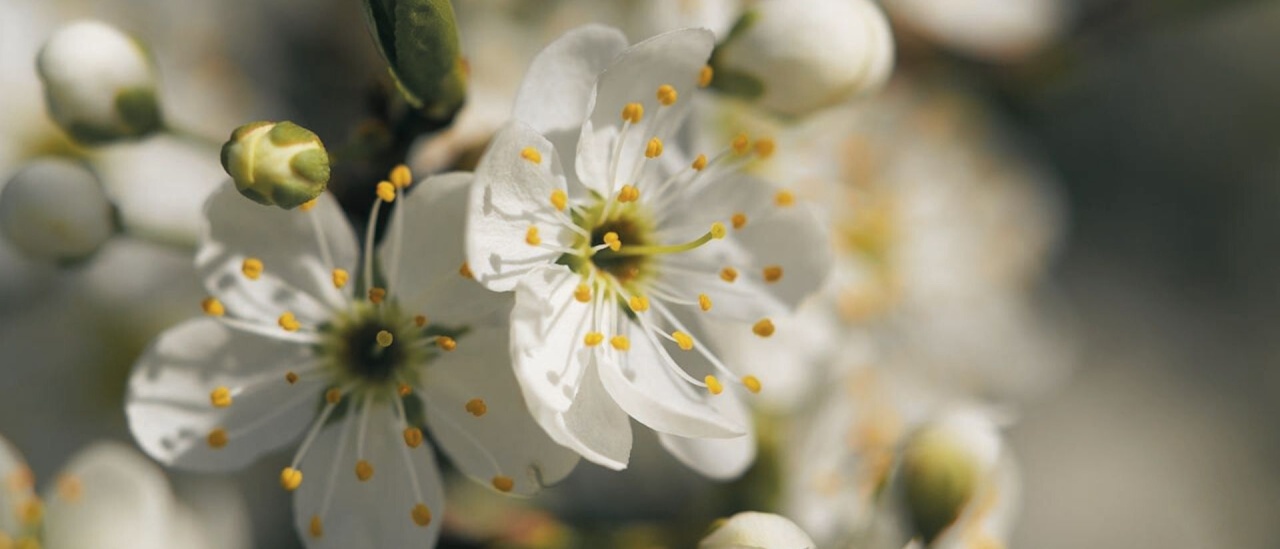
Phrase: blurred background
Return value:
(1150, 128)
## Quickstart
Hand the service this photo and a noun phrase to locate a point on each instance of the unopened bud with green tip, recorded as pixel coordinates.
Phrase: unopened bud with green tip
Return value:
(276, 163)
(944, 466)
(419, 40)
(56, 210)
(99, 83)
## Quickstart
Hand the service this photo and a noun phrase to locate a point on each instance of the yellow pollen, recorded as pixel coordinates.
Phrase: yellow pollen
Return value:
(401, 177)
(213, 307)
(700, 163)
(446, 343)
(386, 191)
(477, 407)
(713, 385)
(340, 278)
(531, 236)
(763, 328)
(559, 200)
(333, 396)
(377, 295)
(705, 75)
(639, 303)
(685, 341)
(316, 528)
(667, 95)
(739, 220)
(252, 268)
(772, 273)
(633, 113)
(620, 342)
(288, 322)
(220, 397)
(404, 389)
(421, 515)
(364, 470)
(653, 149)
(765, 147)
(413, 437)
(740, 144)
(583, 292)
(70, 488)
(784, 198)
(420, 320)
(728, 274)
(592, 339)
(30, 512)
(290, 478)
(752, 384)
(531, 154)
(717, 230)
(503, 484)
(465, 271)
(309, 205)
(628, 194)
(217, 438)
(291, 378)
(385, 338)
(613, 241)
(704, 302)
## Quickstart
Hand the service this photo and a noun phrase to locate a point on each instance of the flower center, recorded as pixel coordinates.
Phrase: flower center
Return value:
(624, 268)
(373, 345)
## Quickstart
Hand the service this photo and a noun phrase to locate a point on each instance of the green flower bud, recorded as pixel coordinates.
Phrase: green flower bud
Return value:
(276, 163)
(944, 465)
(99, 83)
(419, 40)
(56, 210)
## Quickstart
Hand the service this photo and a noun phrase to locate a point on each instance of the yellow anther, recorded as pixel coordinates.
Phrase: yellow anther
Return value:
(632, 112)
(772, 273)
(333, 395)
(685, 341)
(705, 75)
(220, 397)
(765, 147)
(717, 230)
(386, 191)
(477, 407)
(340, 278)
(740, 144)
(421, 515)
(364, 470)
(620, 342)
(763, 328)
(420, 320)
(290, 478)
(713, 385)
(728, 274)
(700, 163)
(531, 154)
(213, 307)
(291, 378)
(503, 484)
(377, 295)
(252, 268)
(739, 220)
(309, 205)
(704, 302)
(582, 293)
(446, 343)
(752, 384)
(288, 322)
(413, 437)
(667, 95)
(404, 389)
(613, 241)
(592, 339)
(639, 303)
(385, 338)
(531, 236)
(31, 511)
(217, 438)
(465, 271)
(653, 149)
(70, 488)
(559, 200)
(784, 198)
(628, 193)
(401, 177)
(316, 528)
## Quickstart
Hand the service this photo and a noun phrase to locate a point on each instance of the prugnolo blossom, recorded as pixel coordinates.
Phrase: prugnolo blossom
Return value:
(621, 249)
(304, 338)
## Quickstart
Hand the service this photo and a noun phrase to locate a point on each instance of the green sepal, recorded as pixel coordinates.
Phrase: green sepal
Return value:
(419, 40)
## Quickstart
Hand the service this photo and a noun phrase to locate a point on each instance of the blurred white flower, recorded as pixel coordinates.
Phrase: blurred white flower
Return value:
(56, 210)
(752, 530)
(290, 343)
(619, 262)
(997, 30)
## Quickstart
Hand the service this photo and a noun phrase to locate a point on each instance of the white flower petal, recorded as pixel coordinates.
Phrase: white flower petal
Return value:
(169, 406)
(718, 458)
(557, 88)
(511, 194)
(114, 499)
(377, 512)
(295, 277)
(505, 440)
(428, 250)
(15, 487)
(751, 530)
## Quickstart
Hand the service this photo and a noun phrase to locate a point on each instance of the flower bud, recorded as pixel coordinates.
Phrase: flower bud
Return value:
(56, 210)
(794, 61)
(276, 163)
(751, 529)
(944, 465)
(99, 83)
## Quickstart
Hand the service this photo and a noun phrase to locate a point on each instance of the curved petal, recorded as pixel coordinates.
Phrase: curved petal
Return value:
(375, 513)
(169, 407)
(110, 497)
(510, 195)
(505, 440)
(295, 276)
(718, 458)
(751, 530)
(557, 87)
(425, 248)
(16, 488)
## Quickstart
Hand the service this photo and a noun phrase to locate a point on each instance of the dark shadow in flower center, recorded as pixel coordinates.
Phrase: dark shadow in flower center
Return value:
(368, 360)
(625, 268)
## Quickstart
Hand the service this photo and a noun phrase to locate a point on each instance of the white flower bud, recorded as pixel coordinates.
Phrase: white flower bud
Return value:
(944, 465)
(751, 529)
(794, 60)
(276, 163)
(56, 210)
(99, 83)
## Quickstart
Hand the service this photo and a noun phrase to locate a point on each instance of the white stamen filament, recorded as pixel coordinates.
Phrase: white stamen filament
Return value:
(332, 479)
(273, 414)
(440, 415)
(404, 448)
(303, 335)
(368, 242)
(312, 433)
(393, 267)
(365, 401)
(697, 344)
